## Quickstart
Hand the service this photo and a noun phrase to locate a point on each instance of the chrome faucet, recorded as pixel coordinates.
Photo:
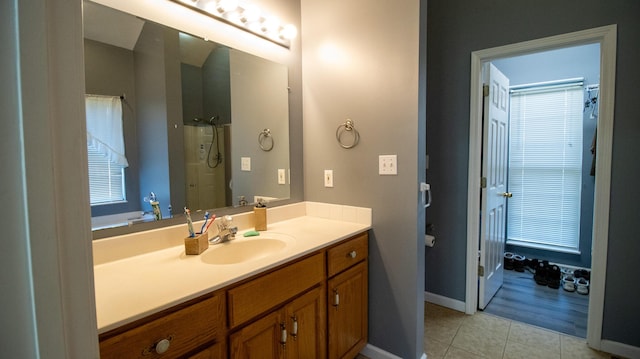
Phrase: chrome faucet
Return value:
(226, 231)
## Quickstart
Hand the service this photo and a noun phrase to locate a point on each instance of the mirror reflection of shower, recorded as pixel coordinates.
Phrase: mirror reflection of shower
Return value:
(215, 160)
(205, 145)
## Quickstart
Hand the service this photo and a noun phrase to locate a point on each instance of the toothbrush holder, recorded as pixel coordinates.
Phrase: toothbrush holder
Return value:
(196, 245)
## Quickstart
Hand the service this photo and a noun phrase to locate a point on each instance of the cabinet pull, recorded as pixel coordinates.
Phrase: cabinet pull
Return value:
(294, 329)
(283, 334)
(160, 347)
(336, 298)
(352, 254)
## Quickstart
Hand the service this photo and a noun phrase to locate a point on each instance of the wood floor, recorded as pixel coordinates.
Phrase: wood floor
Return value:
(521, 299)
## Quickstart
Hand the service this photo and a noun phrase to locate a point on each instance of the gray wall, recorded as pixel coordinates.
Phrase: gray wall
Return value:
(578, 61)
(462, 27)
(362, 62)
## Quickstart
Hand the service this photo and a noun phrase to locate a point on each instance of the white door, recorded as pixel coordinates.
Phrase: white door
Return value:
(494, 193)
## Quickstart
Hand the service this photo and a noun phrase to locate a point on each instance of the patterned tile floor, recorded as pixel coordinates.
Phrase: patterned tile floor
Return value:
(450, 335)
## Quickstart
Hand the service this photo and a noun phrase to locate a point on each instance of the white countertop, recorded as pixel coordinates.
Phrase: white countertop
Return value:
(135, 286)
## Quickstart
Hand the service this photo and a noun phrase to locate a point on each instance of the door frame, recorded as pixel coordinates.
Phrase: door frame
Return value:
(606, 36)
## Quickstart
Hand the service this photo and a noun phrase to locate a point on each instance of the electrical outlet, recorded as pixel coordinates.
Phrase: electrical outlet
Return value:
(328, 178)
(388, 165)
(281, 176)
(245, 163)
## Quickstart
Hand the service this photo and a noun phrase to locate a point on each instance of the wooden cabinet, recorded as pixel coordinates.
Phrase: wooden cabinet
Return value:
(172, 333)
(314, 307)
(296, 330)
(347, 314)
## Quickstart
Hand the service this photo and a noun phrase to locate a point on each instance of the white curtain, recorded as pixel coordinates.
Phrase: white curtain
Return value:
(104, 127)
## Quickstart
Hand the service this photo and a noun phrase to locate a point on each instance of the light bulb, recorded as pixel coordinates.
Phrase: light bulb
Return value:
(250, 13)
(270, 24)
(225, 6)
(288, 32)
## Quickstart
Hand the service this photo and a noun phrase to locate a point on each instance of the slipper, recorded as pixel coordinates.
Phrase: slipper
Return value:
(569, 283)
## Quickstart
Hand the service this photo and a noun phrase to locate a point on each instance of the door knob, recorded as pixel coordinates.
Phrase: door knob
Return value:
(506, 194)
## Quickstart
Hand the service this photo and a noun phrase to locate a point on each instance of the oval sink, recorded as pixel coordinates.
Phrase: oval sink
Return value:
(242, 250)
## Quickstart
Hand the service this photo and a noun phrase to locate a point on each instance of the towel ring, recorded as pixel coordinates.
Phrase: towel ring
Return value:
(347, 127)
(262, 137)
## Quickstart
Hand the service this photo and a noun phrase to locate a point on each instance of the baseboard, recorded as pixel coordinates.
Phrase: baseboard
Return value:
(373, 352)
(445, 301)
(623, 350)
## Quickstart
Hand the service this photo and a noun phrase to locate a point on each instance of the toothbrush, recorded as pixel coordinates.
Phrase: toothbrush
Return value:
(206, 218)
(187, 213)
(213, 218)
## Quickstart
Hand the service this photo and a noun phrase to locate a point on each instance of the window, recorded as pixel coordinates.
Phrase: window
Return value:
(105, 147)
(545, 167)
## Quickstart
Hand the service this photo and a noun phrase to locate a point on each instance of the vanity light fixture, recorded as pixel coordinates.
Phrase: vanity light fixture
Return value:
(247, 17)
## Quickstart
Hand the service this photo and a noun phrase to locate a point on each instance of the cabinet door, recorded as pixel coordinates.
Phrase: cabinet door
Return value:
(347, 308)
(306, 326)
(260, 339)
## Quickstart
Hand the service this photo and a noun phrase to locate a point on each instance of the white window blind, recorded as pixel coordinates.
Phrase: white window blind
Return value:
(105, 148)
(545, 167)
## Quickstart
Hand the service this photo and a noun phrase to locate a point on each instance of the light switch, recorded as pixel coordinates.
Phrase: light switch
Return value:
(328, 178)
(281, 176)
(388, 165)
(245, 163)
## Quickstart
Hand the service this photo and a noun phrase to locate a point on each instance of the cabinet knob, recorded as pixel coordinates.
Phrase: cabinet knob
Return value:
(336, 298)
(294, 328)
(162, 346)
(352, 254)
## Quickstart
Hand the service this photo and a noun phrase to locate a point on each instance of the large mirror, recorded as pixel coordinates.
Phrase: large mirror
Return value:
(204, 126)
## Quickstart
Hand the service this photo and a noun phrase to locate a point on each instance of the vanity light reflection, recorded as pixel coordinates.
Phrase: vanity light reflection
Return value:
(247, 17)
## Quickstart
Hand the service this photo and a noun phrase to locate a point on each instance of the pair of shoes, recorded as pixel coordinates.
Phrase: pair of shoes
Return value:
(582, 286)
(569, 283)
(513, 262)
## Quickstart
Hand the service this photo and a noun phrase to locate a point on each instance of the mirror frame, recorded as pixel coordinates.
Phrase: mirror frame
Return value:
(175, 16)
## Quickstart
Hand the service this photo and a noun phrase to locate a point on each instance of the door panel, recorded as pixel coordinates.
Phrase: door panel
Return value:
(494, 169)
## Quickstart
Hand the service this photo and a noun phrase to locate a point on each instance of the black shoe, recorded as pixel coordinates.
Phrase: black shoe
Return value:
(541, 273)
(582, 273)
(553, 276)
(518, 263)
(508, 261)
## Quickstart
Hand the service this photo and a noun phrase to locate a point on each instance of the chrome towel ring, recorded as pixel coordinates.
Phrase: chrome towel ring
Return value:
(265, 136)
(347, 127)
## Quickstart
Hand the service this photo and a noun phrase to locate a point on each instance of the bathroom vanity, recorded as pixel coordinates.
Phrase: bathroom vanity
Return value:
(304, 299)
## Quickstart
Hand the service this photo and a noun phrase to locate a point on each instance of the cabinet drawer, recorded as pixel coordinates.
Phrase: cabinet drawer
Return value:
(347, 254)
(255, 297)
(186, 329)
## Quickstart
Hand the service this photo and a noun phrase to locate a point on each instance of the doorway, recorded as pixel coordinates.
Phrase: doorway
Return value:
(606, 37)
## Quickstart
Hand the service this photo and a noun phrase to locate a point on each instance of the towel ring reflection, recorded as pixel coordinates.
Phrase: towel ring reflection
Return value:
(347, 127)
(263, 137)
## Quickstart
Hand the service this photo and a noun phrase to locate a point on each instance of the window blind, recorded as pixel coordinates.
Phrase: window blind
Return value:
(545, 167)
(106, 179)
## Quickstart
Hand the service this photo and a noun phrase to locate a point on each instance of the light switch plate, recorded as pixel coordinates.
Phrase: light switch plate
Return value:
(328, 178)
(245, 163)
(281, 176)
(388, 165)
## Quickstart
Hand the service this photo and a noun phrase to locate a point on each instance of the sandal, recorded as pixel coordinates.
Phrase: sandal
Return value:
(582, 286)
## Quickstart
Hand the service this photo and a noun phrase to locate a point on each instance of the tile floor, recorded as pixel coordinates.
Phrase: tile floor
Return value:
(450, 335)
